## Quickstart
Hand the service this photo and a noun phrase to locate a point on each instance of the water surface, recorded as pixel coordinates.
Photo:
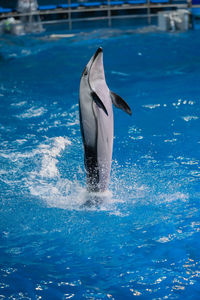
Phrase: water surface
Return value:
(143, 239)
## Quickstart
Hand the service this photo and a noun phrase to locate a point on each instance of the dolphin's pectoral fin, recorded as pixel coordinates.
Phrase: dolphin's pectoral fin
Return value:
(120, 103)
(98, 102)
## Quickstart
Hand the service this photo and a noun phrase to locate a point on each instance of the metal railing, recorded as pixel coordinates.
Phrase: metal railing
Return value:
(107, 11)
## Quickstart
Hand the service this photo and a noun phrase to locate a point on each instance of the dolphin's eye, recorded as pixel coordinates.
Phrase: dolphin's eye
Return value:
(85, 72)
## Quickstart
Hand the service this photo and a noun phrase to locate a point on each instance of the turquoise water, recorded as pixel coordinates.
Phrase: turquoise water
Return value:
(143, 240)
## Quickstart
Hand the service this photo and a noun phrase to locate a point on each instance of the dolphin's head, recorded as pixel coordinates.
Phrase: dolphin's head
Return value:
(93, 72)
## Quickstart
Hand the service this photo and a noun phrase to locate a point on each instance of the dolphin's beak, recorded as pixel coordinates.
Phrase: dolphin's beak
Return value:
(96, 69)
(99, 50)
(92, 59)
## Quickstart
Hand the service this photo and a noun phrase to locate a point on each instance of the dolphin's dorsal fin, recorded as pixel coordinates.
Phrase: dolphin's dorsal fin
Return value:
(98, 102)
(120, 103)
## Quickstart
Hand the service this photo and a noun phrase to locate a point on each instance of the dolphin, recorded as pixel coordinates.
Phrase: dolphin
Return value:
(96, 122)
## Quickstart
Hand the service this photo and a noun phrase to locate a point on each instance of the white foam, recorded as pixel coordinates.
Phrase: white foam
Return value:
(49, 153)
(195, 173)
(189, 118)
(32, 113)
(190, 162)
(135, 133)
(21, 141)
(140, 137)
(73, 117)
(170, 141)
(49, 168)
(181, 102)
(12, 55)
(46, 183)
(69, 194)
(163, 239)
(168, 198)
(151, 106)
(50, 149)
(25, 52)
(19, 104)
(176, 104)
(65, 119)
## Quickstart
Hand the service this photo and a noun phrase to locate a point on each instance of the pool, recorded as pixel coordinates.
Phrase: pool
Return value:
(143, 240)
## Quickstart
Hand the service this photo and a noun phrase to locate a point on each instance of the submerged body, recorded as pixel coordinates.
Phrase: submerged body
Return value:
(96, 121)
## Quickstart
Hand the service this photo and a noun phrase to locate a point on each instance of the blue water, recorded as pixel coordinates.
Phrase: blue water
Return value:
(143, 240)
